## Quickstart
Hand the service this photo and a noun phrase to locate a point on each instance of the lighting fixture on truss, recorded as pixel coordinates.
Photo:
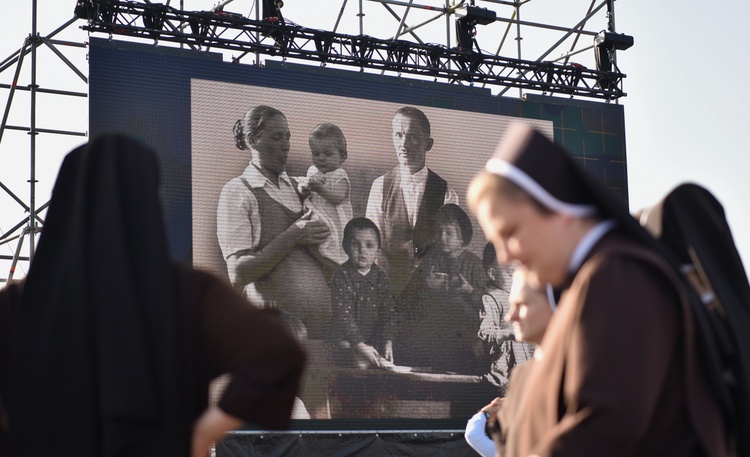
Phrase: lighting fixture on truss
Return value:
(467, 19)
(605, 45)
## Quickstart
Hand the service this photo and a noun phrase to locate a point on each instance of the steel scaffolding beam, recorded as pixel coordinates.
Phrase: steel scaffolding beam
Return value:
(220, 31)
(208, 30)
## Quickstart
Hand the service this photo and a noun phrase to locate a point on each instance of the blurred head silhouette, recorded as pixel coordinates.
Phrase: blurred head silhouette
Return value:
(95, 344)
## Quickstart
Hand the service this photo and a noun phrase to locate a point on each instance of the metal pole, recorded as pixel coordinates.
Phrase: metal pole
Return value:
(338, 18)
(518, 39)
(12, 59)
(578, 28)
(400, 26)
(17, 254)
(6, 113)
(403, 21)
(415, 27)
(448, 30)
(502, 40)
(220, 6)
(405, 31)
(578, 35)
(611, 27)
(33, 133)
(361, 19)
(257, 32)
(409, 4)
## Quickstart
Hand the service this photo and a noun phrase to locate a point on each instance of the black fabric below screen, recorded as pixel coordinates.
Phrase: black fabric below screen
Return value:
(413, 444)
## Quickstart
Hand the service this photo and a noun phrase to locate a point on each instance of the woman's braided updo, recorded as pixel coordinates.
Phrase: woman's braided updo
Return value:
(252, 124)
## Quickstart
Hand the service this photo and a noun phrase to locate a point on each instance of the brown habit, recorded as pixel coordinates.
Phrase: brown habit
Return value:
(618, 374)
(508, 414)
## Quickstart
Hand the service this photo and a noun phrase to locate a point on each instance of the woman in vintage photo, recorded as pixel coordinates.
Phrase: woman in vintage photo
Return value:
(262, 231)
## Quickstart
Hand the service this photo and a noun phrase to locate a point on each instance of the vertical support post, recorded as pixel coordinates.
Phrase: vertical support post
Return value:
(517, 7)
(361, 19)
(182, 8)
(448, 30)
(32, 131)
(611, 26)
(257, 33)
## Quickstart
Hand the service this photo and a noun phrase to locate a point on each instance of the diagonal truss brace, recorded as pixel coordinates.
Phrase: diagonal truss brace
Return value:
(218, 29)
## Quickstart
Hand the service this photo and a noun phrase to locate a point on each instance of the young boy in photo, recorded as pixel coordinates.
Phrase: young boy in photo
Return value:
(361, 298)
(441, 303)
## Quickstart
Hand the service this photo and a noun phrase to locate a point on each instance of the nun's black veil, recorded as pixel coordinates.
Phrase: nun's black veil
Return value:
(96, 354)
(710, 334)
(691, 223)
(722, 374)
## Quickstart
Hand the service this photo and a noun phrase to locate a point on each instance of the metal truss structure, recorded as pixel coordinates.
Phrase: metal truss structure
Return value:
(31, 225)
(220, 30)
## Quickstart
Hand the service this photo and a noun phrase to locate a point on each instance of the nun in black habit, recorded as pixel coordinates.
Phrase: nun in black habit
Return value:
(691, 224)
(112, 345)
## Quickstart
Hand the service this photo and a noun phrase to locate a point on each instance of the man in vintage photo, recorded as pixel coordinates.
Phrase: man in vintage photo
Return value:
(403, 201)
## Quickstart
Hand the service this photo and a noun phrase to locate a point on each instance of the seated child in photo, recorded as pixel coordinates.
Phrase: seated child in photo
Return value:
(361, 299)
(497, 334)
(439, 308)
(327, 187)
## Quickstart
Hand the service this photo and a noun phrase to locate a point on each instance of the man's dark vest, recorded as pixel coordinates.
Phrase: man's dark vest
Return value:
(402, 244)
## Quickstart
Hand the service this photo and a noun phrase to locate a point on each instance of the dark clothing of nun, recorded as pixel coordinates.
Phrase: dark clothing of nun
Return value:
(622, 369)
(112, 346)
(507, 416)
(617, 373)
(690, 222)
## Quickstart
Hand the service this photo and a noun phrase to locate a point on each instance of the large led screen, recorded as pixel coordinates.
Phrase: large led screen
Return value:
(339, 199)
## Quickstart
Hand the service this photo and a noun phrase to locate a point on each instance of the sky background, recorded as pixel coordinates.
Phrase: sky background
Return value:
(686, 110)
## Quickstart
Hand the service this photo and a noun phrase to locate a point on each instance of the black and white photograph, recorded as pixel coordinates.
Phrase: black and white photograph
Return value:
(349, 216)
